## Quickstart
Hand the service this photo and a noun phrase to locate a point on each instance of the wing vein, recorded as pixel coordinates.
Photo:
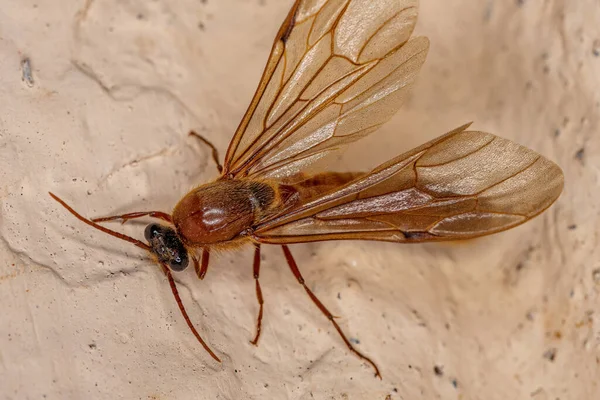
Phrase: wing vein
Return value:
(258, 152)
(462, 156)
(510, 177)
(274, 143)
(362, 49)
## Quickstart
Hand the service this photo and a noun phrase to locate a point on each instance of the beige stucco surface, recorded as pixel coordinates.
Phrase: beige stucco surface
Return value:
(116, 85)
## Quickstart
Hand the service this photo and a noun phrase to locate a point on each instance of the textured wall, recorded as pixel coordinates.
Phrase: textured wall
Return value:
(114, 88)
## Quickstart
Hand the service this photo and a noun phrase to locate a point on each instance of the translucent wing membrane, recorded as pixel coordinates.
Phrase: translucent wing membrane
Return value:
(337, 71)
(461, 185)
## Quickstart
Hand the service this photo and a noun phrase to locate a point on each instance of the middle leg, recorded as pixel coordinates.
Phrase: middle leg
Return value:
(215, 152)
(259, 296)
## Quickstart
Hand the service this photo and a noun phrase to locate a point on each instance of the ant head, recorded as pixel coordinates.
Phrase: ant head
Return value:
(166, 245)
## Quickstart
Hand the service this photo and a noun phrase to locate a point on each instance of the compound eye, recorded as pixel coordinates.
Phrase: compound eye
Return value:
(152, 231)
(179, 262)
(167, 247)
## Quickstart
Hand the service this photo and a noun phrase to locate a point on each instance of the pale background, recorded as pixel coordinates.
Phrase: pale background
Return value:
(116, 85)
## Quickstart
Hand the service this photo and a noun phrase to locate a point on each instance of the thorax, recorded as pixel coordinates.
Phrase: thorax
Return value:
(220, 211)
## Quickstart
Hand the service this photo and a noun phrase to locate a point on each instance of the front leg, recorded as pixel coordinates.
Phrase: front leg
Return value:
(184, 313)
(202, 269)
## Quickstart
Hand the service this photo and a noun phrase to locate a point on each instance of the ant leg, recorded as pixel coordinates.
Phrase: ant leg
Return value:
(324, 310)
(259, 295)
(134, 215)
(201, 270)
(215, 152)
(164, 268)
(91, 223)
(167, 272)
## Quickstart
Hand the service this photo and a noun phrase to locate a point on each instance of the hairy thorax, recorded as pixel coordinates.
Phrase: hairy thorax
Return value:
(223, 210)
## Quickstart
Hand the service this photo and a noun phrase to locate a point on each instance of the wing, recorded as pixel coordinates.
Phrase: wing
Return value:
(461, 185)
(337, 71)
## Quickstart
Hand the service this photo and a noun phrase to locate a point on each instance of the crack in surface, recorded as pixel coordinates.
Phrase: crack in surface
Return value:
(96, 277)
(120, 92)
(138, 160)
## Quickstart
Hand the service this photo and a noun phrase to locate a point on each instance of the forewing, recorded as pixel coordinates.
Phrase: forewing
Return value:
(337, 71)
(462, 185)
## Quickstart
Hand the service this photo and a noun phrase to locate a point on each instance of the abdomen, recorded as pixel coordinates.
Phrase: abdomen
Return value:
(224, 210)
(314, 186)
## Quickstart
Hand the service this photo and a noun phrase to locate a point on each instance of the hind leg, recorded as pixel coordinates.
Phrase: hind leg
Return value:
(324, 310)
